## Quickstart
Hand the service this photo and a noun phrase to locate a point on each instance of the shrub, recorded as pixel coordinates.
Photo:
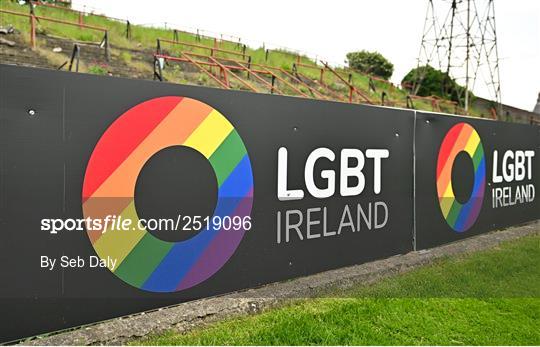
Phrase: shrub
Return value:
(97, 70)
(370, 63)
(433, 82)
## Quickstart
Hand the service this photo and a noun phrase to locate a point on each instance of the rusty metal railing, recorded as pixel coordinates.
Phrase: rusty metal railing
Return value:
(33, 19)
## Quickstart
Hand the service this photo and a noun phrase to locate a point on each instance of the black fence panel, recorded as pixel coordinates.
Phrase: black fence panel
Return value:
(243, 189)
(473, 176)
(283, 187)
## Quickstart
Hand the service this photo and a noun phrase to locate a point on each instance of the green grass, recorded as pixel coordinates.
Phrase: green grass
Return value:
(145, 38)
(489, 298)
(509, 271)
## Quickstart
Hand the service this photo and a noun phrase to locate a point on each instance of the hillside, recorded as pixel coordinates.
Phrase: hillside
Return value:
(189, 58)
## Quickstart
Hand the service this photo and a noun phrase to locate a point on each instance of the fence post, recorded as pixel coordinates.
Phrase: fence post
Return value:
(266, 55)
(175, 35)
(225, 76)
(383, 97)
(80, 19)
(128, 30)
(410, 102)
(158, 46)
(273, 82)
(433, 104)
(158, 73)
(244, 52)
(78, 58)
(32, 25)
(33, 30)
(74, 55)
(107, 51)
(372, 85)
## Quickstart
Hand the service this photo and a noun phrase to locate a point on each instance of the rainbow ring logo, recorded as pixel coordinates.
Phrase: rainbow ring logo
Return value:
(461, 137)
(143, 260)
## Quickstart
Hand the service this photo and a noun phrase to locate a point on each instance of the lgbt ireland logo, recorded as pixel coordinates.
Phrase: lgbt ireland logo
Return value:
(462, 137)
(145, 261)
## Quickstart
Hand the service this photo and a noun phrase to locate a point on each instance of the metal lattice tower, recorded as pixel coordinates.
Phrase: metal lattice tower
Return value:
(460, 39)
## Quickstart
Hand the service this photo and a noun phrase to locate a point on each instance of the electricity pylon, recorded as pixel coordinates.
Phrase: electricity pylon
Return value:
(460, 39)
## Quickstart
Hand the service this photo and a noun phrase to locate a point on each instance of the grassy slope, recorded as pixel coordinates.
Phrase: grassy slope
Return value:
(489, 298)
(145, 37)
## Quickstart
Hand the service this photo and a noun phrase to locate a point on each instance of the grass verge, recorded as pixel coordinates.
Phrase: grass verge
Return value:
(144, 37)
(488, 298)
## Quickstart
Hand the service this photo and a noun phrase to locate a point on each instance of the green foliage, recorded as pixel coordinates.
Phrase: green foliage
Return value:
(371, 63)
(488, 298)
(203, 79)
(126, 57)
(88, 37)
(434, 82)
(97, 70)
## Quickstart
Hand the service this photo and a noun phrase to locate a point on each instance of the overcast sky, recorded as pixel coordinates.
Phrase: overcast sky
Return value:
(330, 29)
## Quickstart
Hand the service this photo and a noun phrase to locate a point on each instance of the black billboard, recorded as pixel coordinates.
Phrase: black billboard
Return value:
(235, 190)
(473, 176)
(119, 196)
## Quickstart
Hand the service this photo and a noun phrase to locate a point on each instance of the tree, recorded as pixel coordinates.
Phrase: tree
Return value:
(433, 82)
(371, 63)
